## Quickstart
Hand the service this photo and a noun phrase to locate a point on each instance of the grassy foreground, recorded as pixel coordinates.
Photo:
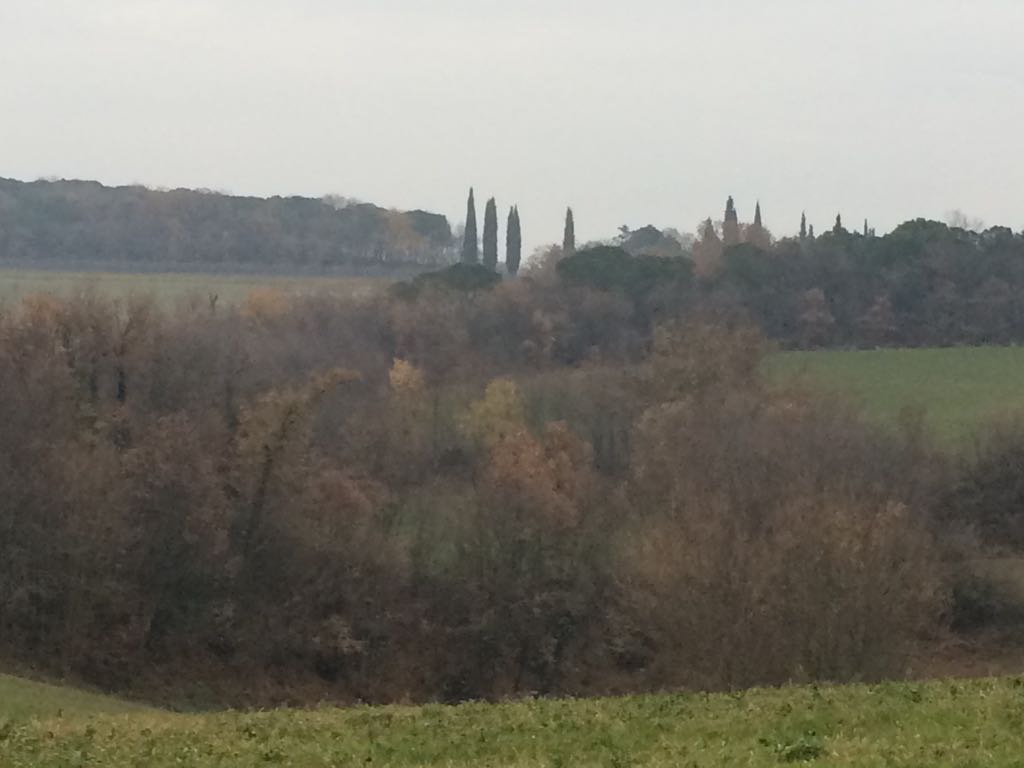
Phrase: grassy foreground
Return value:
(977, 723)
(960, 388)
(22, 699)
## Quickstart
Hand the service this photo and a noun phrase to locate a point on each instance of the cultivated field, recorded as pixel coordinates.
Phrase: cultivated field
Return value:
(959, 388)
(172, 287)
(937, 724)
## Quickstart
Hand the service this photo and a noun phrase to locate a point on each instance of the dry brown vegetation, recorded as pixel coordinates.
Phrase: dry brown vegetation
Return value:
(445, 495)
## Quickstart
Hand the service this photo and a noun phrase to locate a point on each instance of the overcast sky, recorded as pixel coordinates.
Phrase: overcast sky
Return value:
(646, 111)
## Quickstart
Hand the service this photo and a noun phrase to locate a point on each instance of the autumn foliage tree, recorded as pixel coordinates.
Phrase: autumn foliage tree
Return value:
(707, 251)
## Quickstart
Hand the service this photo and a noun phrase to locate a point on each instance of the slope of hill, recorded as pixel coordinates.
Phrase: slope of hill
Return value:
(23, 699)
(937, 724)
(83, 224)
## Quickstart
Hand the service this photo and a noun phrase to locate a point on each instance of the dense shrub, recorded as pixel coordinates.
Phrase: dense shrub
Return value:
(465, 278)
(987, 493)
(769, 547)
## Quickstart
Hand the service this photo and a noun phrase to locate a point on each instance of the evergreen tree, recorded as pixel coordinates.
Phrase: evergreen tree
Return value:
(731, 224)
(569, 237)
(513, 242)
(867, 232)
(838, 228)
(803, 225)
(757, 234)
(491, 235)
(810, 232)
(470, 246)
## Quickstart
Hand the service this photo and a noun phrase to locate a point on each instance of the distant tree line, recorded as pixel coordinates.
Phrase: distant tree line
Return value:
(84, 224)
(925, 283)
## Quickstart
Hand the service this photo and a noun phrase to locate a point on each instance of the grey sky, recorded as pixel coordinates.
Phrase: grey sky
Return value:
(646, 111)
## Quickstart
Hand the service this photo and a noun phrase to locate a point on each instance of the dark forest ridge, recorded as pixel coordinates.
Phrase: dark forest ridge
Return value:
(84, 224)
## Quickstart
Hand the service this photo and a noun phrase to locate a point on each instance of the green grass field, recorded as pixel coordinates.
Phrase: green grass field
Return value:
(960, 388)
(168, 288)
(949, 723)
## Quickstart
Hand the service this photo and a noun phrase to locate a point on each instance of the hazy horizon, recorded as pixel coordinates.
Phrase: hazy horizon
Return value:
(650, 113)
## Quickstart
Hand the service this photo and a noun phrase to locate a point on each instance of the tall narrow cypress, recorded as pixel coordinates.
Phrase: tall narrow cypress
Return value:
(757, 234)
(731, 224)
(569, 237)
(470, 246)
(803, 226)
(838, 228)
(513, 242)
(491, 235)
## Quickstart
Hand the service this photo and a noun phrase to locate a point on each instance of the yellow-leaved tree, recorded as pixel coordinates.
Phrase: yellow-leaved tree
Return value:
(496, 416)
(526, 554)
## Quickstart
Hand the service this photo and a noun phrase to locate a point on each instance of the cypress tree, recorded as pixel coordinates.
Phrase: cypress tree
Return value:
(838, 228)
(731, 224)
(867, 232)
(569, 238)
(470, 246)
(810, 232)
(757, 234)
(491, 235)
(803, 225)
(513, 242)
